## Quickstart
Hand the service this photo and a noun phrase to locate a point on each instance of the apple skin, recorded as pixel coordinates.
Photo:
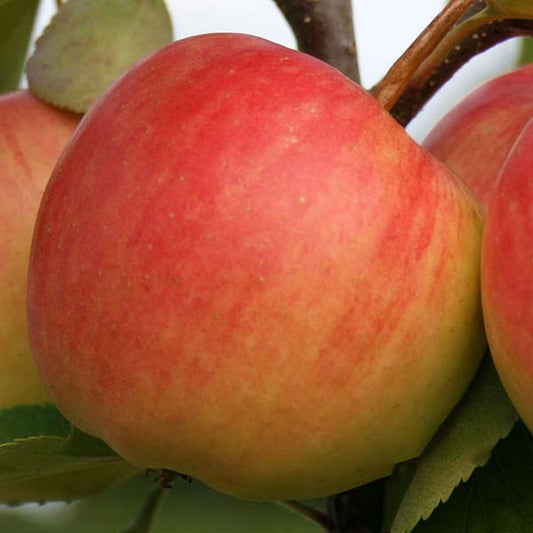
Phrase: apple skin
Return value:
(245, 270)
(475, 137)
(32, 136)
(507, 275)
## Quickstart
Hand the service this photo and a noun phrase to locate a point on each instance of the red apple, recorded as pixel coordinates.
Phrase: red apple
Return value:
(507, 275)
(32, 135)
(475, 137)
(245, 270)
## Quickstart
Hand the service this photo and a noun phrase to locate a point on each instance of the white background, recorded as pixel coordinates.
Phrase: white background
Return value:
(384, 29)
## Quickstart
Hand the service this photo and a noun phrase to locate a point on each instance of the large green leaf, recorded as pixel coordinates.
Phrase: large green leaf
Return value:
(465, 441)
(89, 43)
(16, 24)
(497, 498)
(44, 458)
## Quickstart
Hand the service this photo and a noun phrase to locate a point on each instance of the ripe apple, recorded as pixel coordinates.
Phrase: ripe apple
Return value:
(507, 275)
(245, 270)
(475, 137)
(32, 135)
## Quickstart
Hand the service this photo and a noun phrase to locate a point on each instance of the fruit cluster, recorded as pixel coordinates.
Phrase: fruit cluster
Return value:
(244, 270)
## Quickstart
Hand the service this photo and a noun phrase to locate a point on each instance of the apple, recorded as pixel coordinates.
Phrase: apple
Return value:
(244, 270)
(507, 275)
(475, 137)
(32, 135)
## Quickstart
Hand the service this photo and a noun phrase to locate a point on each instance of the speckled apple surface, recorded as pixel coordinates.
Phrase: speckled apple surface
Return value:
(246, 271)
(507, 275)
(475, 137)
(32, 136)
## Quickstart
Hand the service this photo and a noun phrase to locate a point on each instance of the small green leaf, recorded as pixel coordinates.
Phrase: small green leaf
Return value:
(66, 486)
(44, 458)
(89, 43)
(465, 441)
(29, 420)
(498, 497)
(81, 444)
(41, 456)
(16, 24)
(526, 54)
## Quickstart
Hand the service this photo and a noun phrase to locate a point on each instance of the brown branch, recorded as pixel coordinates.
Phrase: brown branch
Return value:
(324, 29)
(310, 513)
(389, 90)
(474, 9)
(430, 79)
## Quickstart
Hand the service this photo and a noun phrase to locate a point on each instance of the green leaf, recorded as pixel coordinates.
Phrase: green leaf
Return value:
(30, 420)
(67, 486)
(44, 458)
(41, 456)
(89, 43)
(81, 444)
(16, 24)
(465, 441)
(498, 497)
(526, 54)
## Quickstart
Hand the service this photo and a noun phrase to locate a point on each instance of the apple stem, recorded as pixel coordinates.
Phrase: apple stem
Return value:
(324, 29)
(310, 513)
(390, 89)
(146, 516)
(451, 55)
